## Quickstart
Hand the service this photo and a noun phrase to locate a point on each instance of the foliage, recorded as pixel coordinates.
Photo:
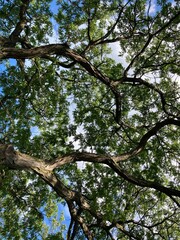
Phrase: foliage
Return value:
(107, 140)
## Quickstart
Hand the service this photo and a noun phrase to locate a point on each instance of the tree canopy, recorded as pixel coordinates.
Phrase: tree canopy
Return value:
(89, 119)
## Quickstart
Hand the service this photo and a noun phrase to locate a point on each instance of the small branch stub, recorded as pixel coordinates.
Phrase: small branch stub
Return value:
(10, 156)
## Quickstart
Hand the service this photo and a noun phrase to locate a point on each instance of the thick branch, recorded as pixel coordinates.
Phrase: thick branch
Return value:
(140, 147)
(16, 160)
(110, 161)
(142, 182)
(22, 22)
(75, 214)
(92, 157)
(34, 52)
(60, 50)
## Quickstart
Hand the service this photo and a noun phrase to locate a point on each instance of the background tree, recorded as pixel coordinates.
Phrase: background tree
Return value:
(107, 142)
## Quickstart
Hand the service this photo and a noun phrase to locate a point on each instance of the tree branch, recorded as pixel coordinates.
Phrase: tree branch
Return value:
(15, 35)
(92, 157)
(142, 182)
(139, 81)
(150, 37)
(16, 160)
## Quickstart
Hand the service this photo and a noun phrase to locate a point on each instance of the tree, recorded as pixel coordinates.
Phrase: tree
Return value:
(107, 142)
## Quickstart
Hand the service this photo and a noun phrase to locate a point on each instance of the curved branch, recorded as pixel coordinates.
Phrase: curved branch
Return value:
(150, 37)
(75, 214)
(111, 162)
(33, 52)
(139, 81)
(14, 36)
(142, 182)
(111, 30)
(16, 160)
(92, 157)
(140, 147)
(54, 49)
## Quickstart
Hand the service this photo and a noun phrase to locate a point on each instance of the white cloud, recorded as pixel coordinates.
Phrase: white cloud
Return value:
(115, 54)
(151, 7)
(55, 36)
